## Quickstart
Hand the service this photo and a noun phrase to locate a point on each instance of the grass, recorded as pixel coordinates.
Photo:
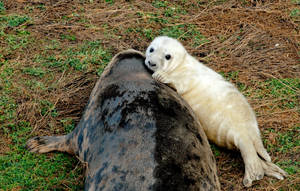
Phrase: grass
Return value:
(295, 13)
(23, 170)
(82, 58)
(42, 55)
(2, 8)
(185, 32)
(19, 169)
(291, 167)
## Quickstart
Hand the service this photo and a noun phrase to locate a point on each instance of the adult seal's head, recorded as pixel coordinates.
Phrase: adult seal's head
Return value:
(137, 134)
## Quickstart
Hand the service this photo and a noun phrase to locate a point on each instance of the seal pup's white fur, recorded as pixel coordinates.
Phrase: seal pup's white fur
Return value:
(225, 114)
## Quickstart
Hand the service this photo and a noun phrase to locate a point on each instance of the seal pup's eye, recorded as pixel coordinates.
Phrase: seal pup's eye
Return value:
(151, 50)
(168, 56)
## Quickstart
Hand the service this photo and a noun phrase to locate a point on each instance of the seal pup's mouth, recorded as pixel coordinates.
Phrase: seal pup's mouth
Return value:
(151, 64)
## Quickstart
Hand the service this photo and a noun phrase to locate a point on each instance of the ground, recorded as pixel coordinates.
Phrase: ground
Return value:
(52, 52)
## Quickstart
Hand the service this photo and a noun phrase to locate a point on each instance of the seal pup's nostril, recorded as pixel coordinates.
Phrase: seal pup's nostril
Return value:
(150, 64)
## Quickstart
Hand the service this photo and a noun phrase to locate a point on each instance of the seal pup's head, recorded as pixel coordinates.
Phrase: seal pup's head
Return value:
(164, 53)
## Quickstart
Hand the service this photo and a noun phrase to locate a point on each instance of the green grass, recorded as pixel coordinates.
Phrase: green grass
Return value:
(233, 77)
(159, 4)
(295, 13)
(215, 149)
(19, 169)
(296, 2)
(283, 92)
(38, 72)
(290, 166)
(88, 55)
(7, 108)
(18, 38)
(110, 1)
(286, 142)
(167, 15)
(14, 20)
(68, 124)
(2, 8)
(27, 171)
(48, 107)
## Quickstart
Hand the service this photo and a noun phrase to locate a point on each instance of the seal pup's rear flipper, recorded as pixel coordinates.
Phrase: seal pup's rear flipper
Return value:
(271, 169)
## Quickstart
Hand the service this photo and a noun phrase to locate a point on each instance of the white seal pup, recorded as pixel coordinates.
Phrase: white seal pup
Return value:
(225, 114)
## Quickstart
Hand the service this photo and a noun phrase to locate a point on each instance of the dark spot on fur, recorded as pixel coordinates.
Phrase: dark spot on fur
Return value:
(149, 126)
(115, 168)
(150, 187)
(196, 157)
(201, 170)
(85, 154)
(199, 138)
(118, 187)
(122, 152)
(110, 92)
(142, 178)
(100, 150)
(204, 185)
(80, 140)
(99, 176)
(123, 177)
(189, 181)
(41, 141)
(68, 142)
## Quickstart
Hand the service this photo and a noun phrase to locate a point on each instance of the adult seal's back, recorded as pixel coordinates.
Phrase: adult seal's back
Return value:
(137, 134)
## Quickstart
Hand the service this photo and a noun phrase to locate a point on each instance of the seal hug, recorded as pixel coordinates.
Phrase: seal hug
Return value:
(227, 118)
(137, 134)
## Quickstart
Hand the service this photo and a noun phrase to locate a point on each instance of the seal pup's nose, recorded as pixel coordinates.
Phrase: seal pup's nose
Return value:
(150, 64)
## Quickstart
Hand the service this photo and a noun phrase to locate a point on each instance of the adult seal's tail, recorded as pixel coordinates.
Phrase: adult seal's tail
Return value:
(137, 134)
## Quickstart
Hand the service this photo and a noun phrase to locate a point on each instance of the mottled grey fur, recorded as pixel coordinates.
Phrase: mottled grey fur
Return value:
(137, 134)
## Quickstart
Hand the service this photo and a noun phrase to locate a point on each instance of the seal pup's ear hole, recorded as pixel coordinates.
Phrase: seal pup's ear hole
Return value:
(168, 56)
(151, 50)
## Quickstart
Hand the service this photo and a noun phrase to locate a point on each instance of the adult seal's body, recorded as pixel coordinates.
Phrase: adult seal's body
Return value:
(226, 116)
(137, 134)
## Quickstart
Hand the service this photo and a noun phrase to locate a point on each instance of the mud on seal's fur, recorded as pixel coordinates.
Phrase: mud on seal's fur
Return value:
(137, 134)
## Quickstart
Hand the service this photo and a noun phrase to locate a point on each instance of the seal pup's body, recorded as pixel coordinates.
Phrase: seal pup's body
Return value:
(137, 134)
(226, 116)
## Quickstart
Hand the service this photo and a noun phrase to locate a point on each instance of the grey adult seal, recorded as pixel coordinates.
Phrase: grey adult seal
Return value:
(137, 134)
